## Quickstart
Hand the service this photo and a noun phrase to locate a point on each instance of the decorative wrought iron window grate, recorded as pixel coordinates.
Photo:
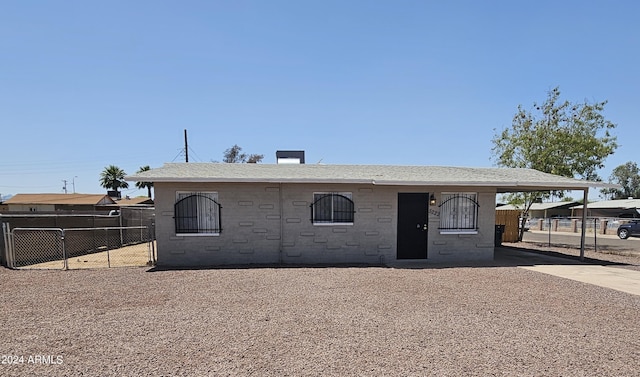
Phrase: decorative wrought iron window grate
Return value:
(197, 213)
(330, 208)
(459, 211)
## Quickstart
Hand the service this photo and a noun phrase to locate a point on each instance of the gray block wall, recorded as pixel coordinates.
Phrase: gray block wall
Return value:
(371, 238)
(446, 247)
(271, 223)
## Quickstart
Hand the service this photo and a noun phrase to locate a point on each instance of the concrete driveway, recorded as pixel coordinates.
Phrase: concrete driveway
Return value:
(606, 276)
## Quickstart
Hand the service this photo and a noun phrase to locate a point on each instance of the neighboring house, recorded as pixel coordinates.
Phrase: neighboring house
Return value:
(625, 208)
(137, 202)
(544, 210)
(213, 214)
(57, 202)
(140, 201)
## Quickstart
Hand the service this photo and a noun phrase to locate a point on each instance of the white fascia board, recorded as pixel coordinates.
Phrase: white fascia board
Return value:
(511, 186)
(256, 180)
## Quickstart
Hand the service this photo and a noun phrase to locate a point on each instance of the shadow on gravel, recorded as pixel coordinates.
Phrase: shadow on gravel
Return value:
(504, 256)
(262, 266)
(527, 257)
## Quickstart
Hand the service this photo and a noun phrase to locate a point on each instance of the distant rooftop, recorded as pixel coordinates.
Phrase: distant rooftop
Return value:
(68, 199)
(613, 204)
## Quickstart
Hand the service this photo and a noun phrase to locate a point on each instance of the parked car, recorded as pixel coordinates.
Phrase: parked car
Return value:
(631, 228)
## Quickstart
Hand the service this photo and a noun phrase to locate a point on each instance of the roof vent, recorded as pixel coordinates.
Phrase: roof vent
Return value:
(114, 194)
(290, 157)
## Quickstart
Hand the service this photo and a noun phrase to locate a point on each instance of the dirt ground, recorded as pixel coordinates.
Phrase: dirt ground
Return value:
(324, 321)
(128, 256)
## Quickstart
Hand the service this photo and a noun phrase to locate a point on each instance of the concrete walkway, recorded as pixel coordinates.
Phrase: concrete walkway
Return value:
(619, 279)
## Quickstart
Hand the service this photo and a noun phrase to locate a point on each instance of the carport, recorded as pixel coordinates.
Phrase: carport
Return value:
(561, 183)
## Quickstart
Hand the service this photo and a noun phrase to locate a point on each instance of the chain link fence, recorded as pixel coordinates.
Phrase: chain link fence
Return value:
(74, 248)
(593, 225)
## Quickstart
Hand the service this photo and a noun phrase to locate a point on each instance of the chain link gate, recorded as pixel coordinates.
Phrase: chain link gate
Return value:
(36, 246)
(75, 248)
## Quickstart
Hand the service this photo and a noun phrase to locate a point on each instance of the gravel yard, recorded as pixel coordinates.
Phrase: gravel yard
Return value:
(334, 321)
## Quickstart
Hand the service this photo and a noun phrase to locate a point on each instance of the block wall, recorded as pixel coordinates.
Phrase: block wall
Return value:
(271, 223)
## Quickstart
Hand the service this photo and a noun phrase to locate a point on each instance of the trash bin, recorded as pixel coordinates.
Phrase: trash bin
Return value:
(499, 233)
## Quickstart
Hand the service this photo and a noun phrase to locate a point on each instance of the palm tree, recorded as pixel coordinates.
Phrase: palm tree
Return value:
(142, 185)
(112, 177)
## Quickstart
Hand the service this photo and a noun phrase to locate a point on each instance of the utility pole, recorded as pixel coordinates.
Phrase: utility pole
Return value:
(186, 147)
(65, 185)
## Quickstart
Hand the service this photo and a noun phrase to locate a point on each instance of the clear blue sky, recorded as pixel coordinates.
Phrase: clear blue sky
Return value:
(86, 84)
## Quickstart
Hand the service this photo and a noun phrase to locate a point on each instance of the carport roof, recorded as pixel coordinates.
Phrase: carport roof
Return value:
(540, 206)
(503, 179)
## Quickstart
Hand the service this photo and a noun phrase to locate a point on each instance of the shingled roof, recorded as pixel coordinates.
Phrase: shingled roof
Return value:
(503, 179)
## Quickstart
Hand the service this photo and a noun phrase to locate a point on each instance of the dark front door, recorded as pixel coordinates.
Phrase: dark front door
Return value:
(412, 225)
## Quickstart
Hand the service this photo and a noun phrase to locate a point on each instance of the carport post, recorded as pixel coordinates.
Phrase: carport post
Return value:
(584, 223)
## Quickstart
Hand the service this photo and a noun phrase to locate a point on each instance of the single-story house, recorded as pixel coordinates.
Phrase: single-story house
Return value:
(625, 208)
(544, 210)
(217, 213)
(57, 202)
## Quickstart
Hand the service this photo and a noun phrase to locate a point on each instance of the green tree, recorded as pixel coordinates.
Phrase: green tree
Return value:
(627, 176)
(143, 185)
(112, 177)
(235, 155)
(557, 137)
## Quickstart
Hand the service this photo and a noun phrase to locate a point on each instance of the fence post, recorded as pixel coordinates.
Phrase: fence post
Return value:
(12, 251)
(106, 239)
(149, 245)
(153, 242)
(595, 234)
(120, 222)
(8, 249)
(64, 250)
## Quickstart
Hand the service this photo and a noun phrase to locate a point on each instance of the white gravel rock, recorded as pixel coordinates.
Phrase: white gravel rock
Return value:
(333, 321)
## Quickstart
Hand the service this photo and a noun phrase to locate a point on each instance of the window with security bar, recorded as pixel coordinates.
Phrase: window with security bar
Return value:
(332, 208)
(197, 213)
(459, 212)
